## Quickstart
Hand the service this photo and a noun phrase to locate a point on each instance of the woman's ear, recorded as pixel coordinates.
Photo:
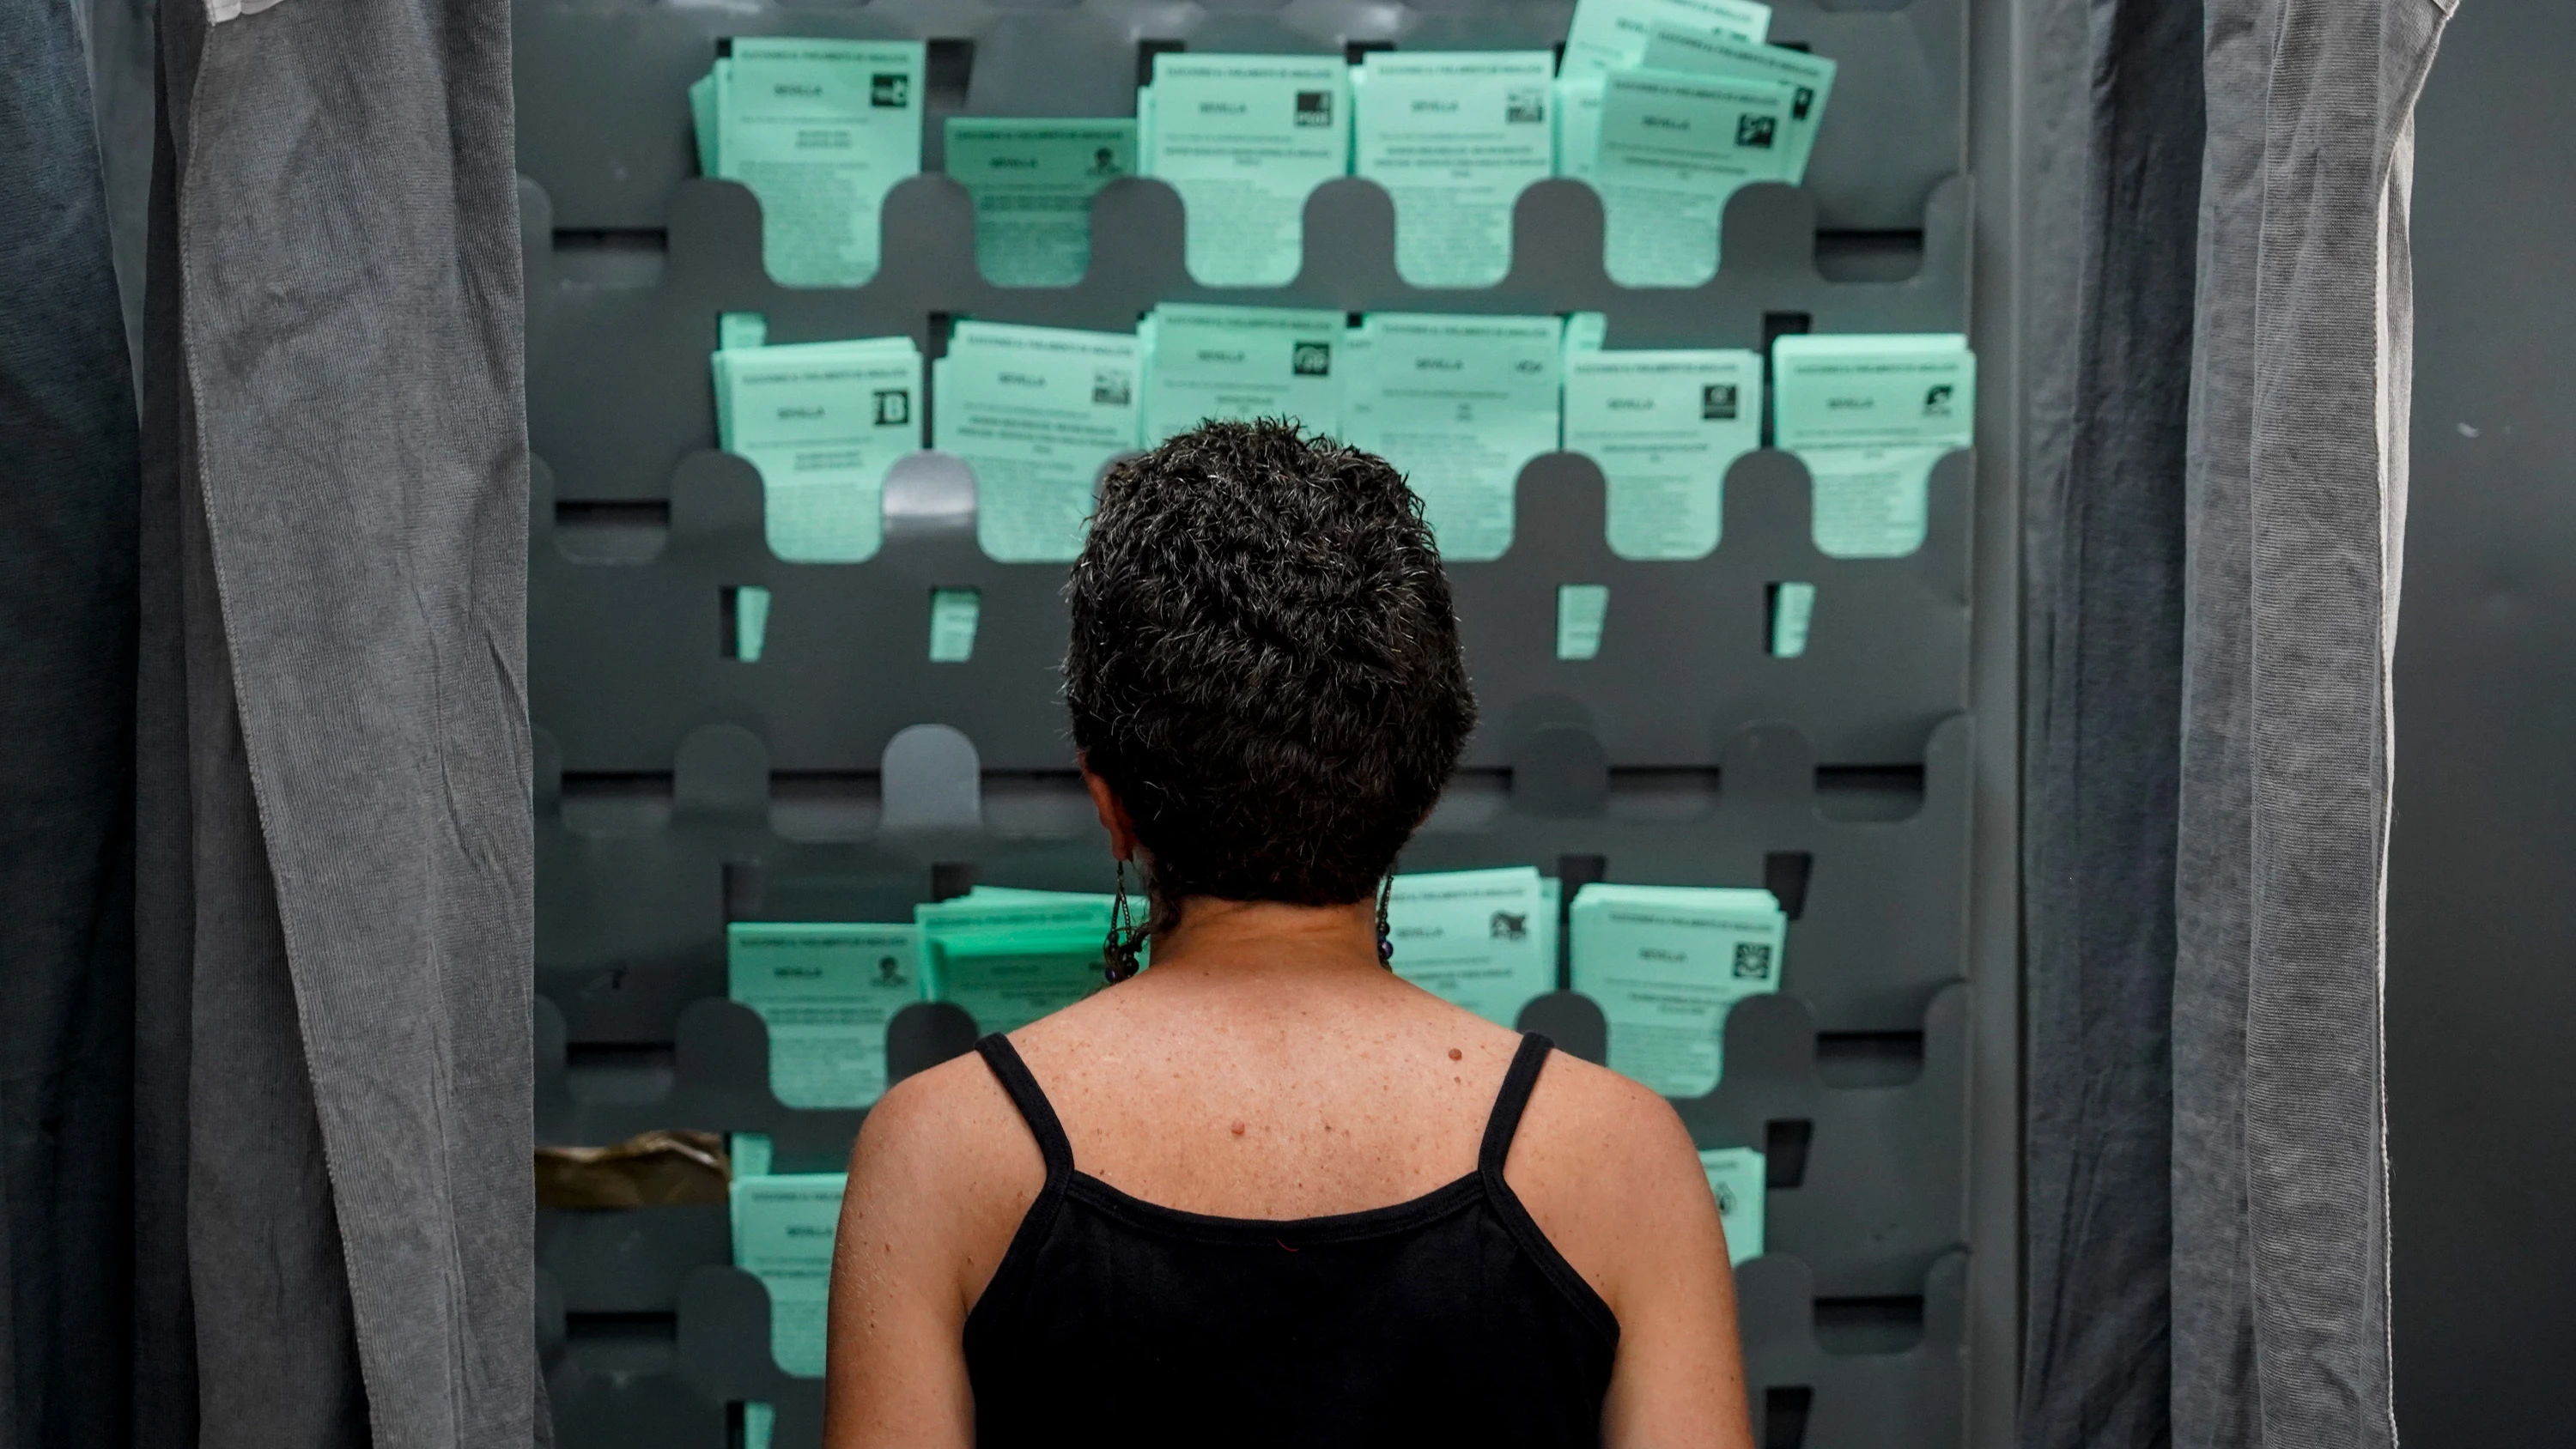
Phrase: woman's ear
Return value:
(1113, 815)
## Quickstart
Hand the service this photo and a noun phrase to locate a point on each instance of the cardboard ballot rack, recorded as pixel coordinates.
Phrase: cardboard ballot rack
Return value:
(844, 775)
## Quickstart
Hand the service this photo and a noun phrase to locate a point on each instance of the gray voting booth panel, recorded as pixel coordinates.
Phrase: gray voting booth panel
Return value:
(627, 660)
(604, 121)
(844, 776)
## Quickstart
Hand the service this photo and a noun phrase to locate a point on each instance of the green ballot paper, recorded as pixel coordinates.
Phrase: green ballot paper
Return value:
(1810, 79)
(1578, 125)
(1010, 957)
(1582, 612)
(1793, 610)
(1479, 939)
(1229, 363)
(1665, 964)
(1673, 148)
(1037, 413)
(826, 992)
(782, 1235)
(1870, 416)
(954, 616)
(1243, 139)
(750, 622)
(819, 130)
(1663, 427)
(1608, 35)
(1458, 404)
(1739, 1179)
(1032, 182)
(1454, 139)
(822, 421)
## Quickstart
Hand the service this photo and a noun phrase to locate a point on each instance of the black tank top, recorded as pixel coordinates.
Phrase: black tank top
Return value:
(1449, 1319)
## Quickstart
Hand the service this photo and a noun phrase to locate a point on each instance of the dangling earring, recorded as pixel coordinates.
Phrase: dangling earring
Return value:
(1385, 940)
(1118, 961)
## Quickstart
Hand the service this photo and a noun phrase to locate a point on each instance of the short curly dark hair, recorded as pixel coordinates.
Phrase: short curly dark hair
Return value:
(1264, 664)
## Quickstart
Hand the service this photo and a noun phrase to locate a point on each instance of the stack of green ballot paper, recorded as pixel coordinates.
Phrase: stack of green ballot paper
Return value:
(1458, 404)
(1663, 427)
(1244, 139)
(1665, 964)
(1238, 363)
(1667, 107)
(822, 421)
(1739, 1178)
(1870, 416)
(783, 1227)
(1007, 957)
(820, 130)
(1481, 939)
(1032, 182)
(1454, 139)
(1036, 413)
(826, 991)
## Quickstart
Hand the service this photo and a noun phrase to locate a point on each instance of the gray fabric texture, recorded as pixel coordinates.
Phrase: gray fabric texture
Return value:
(341, 479)
(2296, 491)
(165, 1331)
(2106, 677)
(68, 465)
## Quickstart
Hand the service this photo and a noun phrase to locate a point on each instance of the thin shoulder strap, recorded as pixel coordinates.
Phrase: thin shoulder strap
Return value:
(1509, 1102)
(1034, 1107)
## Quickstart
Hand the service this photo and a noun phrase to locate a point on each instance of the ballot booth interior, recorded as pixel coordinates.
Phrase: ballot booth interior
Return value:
(840, 772)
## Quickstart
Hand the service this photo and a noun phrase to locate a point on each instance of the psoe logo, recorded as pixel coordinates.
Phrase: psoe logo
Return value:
(890, 91)
(1314, 108)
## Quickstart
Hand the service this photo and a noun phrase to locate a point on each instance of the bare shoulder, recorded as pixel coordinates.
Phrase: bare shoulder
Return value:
(935, 1121)
(945, 1168)
(1609, 1173)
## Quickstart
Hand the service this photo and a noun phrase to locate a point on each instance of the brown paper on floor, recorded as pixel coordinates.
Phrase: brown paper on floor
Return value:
(651, 1169)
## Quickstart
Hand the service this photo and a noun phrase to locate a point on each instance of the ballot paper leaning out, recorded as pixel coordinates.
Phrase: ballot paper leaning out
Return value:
(1481, 939)
(1738, 1178)
(1666, 964)
(1233, 363)
(1663, 427)
(1032, 182)
(1810, 79)
(1608, 35)
(1458, 404)
(820, 130)
(1036, 413)
(822, 421)
(1244, 139)
(1673, 149)
(782, 1235)
(1870, 416)
(1008, 957)
(826, 991)
(1454, 139)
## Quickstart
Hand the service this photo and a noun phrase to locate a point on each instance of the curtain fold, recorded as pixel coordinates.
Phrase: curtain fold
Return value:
(334, 747)
(2208, 779)
(68, 461)
(2105, 705)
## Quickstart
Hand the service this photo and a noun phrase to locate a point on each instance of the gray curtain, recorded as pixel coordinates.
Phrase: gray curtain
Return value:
(332, 1165)
(67, 621)
(2206, 812)
(2107, 561)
